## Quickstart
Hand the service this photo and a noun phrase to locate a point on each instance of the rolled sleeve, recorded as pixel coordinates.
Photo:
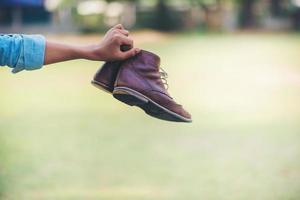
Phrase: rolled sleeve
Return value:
(22, 52)
(32, 54)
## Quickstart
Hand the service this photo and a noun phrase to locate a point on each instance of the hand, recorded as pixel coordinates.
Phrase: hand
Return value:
(109, 48)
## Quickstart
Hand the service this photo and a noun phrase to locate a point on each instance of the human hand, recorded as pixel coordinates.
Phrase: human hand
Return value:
(109, 49)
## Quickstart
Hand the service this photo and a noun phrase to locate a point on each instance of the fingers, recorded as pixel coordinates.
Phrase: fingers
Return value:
(121, 35)
(124, 32)
(123, 40)
(130, 53)
(119, 26)
(128, 41)
(119, 29)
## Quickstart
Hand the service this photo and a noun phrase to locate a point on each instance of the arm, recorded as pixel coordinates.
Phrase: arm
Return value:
(30, 52)
(107, 50)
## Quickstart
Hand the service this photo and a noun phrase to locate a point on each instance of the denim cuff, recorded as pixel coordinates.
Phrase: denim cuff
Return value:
(32, 53)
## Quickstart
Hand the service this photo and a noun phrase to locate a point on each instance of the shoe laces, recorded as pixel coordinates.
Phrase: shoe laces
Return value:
(164, 76)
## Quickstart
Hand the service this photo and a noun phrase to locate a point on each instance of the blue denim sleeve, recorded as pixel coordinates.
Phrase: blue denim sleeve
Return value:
(22, 52)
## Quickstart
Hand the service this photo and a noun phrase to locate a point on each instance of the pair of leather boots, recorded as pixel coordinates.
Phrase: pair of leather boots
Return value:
(138, 81)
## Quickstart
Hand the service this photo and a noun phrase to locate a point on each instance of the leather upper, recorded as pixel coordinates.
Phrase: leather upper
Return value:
(141, 73)
(106, 75)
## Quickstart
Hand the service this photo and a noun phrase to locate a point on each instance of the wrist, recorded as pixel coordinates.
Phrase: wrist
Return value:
(92, 52)
(80, 52)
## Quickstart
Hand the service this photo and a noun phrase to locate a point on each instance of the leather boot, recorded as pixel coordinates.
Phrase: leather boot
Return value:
(139, 83)
(105, 77)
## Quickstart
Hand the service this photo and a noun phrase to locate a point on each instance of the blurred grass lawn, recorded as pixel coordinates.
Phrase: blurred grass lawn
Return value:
(61, 138)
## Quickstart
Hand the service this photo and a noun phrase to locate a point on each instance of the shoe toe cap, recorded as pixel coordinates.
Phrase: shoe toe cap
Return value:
(169, 103)
(181, 111)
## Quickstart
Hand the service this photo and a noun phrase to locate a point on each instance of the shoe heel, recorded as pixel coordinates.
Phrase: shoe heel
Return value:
(129, 97)
(101, 86)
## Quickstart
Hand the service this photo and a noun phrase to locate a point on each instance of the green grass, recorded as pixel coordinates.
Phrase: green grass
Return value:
(62, 139)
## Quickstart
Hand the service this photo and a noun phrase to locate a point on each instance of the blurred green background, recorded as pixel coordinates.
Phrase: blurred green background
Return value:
(61, 138)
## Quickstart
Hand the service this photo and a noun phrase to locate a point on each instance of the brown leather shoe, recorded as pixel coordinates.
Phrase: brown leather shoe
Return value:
(105, 77)
(139, 83)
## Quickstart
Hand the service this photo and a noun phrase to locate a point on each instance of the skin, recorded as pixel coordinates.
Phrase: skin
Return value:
(106, 50)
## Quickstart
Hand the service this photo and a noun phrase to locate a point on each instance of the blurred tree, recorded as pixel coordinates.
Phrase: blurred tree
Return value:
(247, 16)
(294, 9)
(212, 10)
(276, 8)
(169, 15)
(134, 1)
(163, 17)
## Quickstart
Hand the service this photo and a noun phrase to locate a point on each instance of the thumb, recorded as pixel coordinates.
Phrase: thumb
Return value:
(119, 26)
(130, 53)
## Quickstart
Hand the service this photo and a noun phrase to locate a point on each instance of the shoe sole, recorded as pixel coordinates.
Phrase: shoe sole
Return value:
(134, 98)
(101, 86)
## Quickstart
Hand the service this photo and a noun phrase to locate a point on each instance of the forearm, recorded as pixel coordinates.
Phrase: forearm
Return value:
(107, 50)
(56, 52)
